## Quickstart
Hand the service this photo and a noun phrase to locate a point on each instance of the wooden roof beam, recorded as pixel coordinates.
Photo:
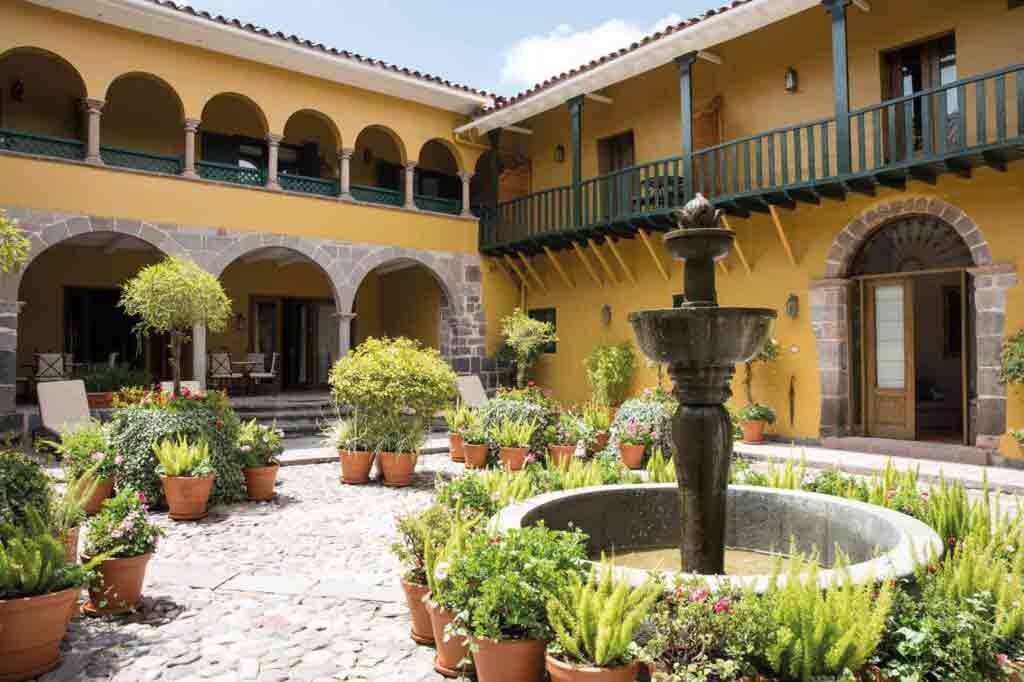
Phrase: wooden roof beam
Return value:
(532, 271)
(645, 238)
(586, 264)
(622, 262)
(515, 268)
(558, 267)
(782, 235)
(604, 263)
(736, 244)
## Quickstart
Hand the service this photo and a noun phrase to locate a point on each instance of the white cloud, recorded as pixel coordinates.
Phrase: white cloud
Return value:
(535, 58)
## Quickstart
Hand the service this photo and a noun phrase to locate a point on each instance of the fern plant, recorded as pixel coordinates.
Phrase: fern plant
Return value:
(661, 469)
(33, 563)
(511, 433)
(181, 458)
(789, 477)
(459, 418)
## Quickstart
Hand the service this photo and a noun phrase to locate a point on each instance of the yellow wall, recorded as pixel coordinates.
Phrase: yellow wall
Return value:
(308, 126)
(54, 109)
(141, 113)
(402, 303)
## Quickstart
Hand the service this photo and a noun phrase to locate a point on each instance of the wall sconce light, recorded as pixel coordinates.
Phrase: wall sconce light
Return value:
(793, 306)
(792, 80)
(367, 157)
(239, 319)
(18, 91)
(606, 314)
(560, 154)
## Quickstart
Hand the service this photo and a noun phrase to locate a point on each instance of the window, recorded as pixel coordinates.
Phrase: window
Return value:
(546, 315)
(924, 66)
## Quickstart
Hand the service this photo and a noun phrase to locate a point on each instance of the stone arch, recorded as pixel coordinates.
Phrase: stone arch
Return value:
(829, 299)
(46, 93)
(449, 146)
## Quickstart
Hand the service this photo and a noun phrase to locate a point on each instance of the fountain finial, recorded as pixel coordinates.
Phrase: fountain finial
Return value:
(698, 213)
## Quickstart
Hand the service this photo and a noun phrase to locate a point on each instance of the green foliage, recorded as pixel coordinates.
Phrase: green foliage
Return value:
(258, 445)
(512, 433)
(67, 511)
(33, 562)
(769, 353)
(459, 418)
(570, 430)
(475, 435)
(610, 369)
(440, 550)
(526, 337)
(469, 491)
(824, 632)
(1012, 370)
(595, 620)
(415, 531)
(757, 412)
(179, 457)
(596, 417)
(652, 417)
(497, 410)
(105, 379)
(14, 245)
(209, 418)
(394, 387)
(23, 484)
(660, 469)
(87, 449)
(499, 585)
(635, 432)
(122, 529)
(346, 434)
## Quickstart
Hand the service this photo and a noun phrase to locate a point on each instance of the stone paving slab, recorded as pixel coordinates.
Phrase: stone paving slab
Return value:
(185, 574)
(342, 588)
(270, 584)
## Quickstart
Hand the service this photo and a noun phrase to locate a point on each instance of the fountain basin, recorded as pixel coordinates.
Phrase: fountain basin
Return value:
(702, 337)
(879, 543)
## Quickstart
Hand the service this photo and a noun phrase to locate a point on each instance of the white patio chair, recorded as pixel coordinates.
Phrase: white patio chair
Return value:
(471, 390)
(63, 405)
(112, 360)
(270, 376)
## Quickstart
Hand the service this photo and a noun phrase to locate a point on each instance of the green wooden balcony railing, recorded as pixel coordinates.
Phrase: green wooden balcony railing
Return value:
(41, 145)
(225, 172)
(378, 195)
(952, 128)
(438, 205)
(154, 163)
(326, 187)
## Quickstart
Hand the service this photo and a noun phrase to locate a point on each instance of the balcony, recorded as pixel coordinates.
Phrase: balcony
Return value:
(977, 121)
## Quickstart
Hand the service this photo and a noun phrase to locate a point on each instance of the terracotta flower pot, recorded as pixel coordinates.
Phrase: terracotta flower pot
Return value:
(601, 441)
(118, 587)
(509, 660)
(753, 431)
(514, 459)
(70, 541)
(422, 632)
(455, 446)
(104, 489)
(561, 455)
(31, 630)
(451, 653)
(632, 455)
(259, 482)
(101, 400)
(475, 456)
(355, 466)
(398, 468)
(567, 672)
(187, 496)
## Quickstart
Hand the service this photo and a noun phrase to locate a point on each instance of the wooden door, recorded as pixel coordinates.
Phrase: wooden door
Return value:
(889, 350)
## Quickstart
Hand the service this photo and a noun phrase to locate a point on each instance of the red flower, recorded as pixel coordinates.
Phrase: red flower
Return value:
(723, 605)
(142, 498)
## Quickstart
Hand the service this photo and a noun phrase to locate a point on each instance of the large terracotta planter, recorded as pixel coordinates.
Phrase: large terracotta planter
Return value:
(101, 400)
(118, 586)
(451, 653)
(398, 468)
(355, 466)
(753, 432)
(259, 482)
(561, 455)
(455, 446)
(514, 459)
(421, 632)
(31, 630)
(70, 541)
(187, 496)
(567, 672)
(509, 660)
(104, 490)
(601, 441)
(632, 455)
(475, 456)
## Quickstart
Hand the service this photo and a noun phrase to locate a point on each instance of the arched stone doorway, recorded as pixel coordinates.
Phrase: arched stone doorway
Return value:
(909, 325)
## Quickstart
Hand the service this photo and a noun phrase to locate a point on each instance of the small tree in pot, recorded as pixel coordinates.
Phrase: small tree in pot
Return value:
(171, 297)
(610, 370)
(755, 415)
(259, 448)
(527, 338)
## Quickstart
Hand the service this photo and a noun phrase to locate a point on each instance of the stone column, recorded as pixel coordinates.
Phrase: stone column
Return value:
(199, 354)
(467, 211)
(685, 63)
(93, 109)
(991, 283)
(273, 145)
(410, 185)
(829, 300)
(345, 172)
(345, 333)
(191, 128)
(8, 358)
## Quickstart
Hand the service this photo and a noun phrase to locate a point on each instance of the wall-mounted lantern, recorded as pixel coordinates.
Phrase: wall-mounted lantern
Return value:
(792, 80)
(793, 306)
(560, 154)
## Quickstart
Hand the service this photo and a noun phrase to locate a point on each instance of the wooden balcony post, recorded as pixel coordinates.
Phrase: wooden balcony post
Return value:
(93, 109)
(841, 83)
(576, 145)
(191, 128)
(685, 63)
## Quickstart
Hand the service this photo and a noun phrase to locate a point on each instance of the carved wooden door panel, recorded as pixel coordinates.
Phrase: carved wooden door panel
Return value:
(889, 352)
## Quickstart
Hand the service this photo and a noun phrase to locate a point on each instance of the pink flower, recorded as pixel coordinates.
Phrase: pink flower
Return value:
(142, 498)
(699, 596)
(891, 494)
(118, 460)
(1003, 660)
(531, 458)
(97, 456)
(723, 605)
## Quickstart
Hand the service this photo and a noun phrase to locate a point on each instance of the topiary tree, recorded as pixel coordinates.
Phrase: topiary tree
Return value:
(610, 370)
(526, 337)
(172, 296)
(14, 245)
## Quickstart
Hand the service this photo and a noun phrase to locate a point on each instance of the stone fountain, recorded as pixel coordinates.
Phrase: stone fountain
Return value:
(701, 343)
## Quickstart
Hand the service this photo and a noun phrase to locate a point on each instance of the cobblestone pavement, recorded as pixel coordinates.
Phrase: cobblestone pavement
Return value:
(301, 588)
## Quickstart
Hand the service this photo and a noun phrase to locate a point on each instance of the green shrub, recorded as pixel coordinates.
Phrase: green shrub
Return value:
(415, 531)
(512, 433)
(650, 416)
(258, 445)
(155, 418)
(756, 412)
(497, 410)
(470, 491)
(23, 484)
(1012, 370)
(527, 338)
(660, 469)
(111, 379)
(610, 370)
(569, 430)
(180, 458)
(33, 562)
(87, 449)
(122, 529)
(14, 244)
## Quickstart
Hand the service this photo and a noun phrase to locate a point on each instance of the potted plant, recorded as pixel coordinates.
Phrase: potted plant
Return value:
(565, 438)
(475, 445)
(38, 590)
(24, 486)
(610, 369)
(453, 657)
(186, 476)
(122, 536)
(68, 512)
(88, 457)
(498, 586)
(1018, 437)
(513, 438)
(260, 446)
(102, 382)
(172, 297)
(415, 531)
(526, 338)
(354, 454)
(634, 438)
(595, 622)
(398, 451)
(753, 419)
(458, 418)
(599, 422)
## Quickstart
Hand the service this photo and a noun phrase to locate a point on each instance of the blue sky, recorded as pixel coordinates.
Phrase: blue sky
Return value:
(468, 42)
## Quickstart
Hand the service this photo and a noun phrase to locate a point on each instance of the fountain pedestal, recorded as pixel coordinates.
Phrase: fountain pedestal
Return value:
(701, 343)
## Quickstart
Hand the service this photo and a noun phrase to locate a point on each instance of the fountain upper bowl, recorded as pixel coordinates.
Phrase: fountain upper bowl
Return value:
(709, 243)
(693, 337)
